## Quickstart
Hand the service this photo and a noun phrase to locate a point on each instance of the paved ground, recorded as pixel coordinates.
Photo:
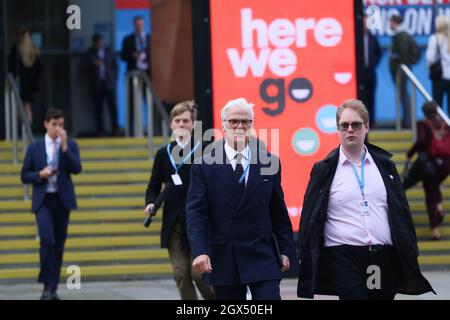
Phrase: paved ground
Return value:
(164, 289)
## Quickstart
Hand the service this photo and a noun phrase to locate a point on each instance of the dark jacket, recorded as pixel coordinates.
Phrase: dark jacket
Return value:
(174, 206)
(28, 76)
(235, 230)
(313, 275)
(374, 53)
(111, 69)
(401, 51)
(36, 160)
(129, 48)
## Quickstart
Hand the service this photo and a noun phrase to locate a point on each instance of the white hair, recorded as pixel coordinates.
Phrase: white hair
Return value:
(240, 102)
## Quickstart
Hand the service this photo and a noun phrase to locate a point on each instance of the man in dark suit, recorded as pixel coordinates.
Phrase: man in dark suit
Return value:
(48, 165)
(175, 160)
(357, 237)
(372, 56)
(234, 207)
(103, 67)
(136, 50)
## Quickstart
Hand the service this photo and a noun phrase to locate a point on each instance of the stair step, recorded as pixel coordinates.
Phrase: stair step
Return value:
(434, 260)
(83, 229)
(90, 256)
(99, 142)
(92, 166)
(96, 271)
(389, 135)
(85, 190)
(81, 216)
(83, 203)
(86, 242)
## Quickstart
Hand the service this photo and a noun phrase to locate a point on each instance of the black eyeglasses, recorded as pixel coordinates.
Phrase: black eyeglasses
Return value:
(234, 123)
(355, 126)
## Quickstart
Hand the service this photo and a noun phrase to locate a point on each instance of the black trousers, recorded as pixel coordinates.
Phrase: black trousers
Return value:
(441, 87)
(358, 273)
(263, 290)
(100, 94)
(52, 220)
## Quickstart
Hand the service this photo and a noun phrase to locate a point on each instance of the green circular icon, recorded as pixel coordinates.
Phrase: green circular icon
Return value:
(305, 141)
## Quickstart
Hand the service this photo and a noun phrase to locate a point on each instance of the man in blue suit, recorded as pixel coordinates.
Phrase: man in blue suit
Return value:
(48, 165)
(236, 214)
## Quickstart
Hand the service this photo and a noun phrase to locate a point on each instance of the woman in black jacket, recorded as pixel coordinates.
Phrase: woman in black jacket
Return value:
(25, 66)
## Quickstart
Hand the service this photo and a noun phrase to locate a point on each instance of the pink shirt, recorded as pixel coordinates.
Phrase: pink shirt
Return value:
(345, 224)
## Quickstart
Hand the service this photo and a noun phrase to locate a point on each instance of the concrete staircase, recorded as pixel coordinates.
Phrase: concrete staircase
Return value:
(106, 239)
(434, 255)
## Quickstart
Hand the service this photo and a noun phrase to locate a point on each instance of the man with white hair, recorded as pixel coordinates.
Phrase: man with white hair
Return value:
(237, 221)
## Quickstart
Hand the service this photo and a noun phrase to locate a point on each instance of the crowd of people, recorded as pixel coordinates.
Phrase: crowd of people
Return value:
(225, 224)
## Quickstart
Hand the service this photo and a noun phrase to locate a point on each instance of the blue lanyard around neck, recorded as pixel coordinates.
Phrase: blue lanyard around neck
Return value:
(360, 180)
(172, 161)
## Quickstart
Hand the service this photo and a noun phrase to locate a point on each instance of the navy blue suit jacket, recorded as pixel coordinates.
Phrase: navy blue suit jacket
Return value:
(36, 160)
(234, 231)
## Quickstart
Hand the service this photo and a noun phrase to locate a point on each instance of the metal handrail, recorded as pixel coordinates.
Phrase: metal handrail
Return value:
(141, 81)
(415, 84)
(14, 111)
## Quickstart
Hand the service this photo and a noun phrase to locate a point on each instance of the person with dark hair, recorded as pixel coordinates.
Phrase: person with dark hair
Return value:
(372, 56)
(357, 239)
(103, 67)
(48, 165)
(172, 160)
(25, 65)
(136, 50)
(433, 149)
(404, 50)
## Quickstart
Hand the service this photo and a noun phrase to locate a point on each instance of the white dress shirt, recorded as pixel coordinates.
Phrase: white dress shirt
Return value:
(231, 155)
(432, 53)
(52, 160)
(345, 224)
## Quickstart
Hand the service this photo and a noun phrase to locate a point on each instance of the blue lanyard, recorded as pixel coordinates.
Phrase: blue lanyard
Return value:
(246, 169)
(360, 180)
(174, 165)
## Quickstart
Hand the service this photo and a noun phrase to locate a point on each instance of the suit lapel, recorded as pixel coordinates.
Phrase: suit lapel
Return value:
(43, 153)
(226, 175)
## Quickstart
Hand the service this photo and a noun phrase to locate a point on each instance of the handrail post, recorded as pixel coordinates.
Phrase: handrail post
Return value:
(413, 111)
(137, 97)
(150, 117)
(14, 130)
(397, 100)
(26, 195)
(7, 111)
(127, 105)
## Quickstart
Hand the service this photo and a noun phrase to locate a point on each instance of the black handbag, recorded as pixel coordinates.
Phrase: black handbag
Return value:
(435, 71)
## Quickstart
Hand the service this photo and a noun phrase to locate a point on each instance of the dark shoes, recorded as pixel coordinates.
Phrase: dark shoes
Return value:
(48, 295)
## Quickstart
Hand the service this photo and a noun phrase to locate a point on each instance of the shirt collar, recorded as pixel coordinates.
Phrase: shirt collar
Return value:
(49, 140)
(231, 153)
(343, 158)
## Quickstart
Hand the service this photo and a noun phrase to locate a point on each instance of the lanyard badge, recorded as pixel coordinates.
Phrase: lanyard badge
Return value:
(176, 177)
(364, 204)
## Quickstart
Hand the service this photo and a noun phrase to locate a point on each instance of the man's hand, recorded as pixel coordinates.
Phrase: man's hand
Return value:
(148, 208)
(63, 135)
(286, 265)
(202, 264)
(47, 172)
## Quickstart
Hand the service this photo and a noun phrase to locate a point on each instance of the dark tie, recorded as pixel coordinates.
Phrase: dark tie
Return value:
(239, 171)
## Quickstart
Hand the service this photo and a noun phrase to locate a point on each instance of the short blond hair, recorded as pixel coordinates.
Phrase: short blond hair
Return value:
(184, 106)
(355, 105)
